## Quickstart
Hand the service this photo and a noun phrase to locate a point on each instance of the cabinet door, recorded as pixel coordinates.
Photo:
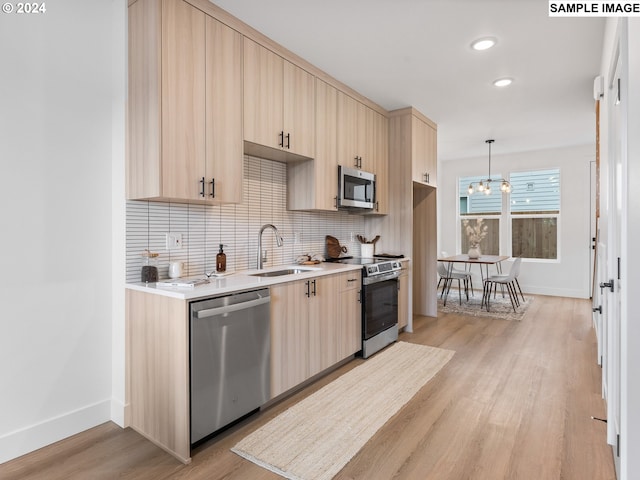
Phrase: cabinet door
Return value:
(289, 336)
(432, 155)
(263, 95)
(380, 157)
(183, 100)
(348, 334)
(326, 162)
(424, 155)
(224, 149)
(299, 110)
(367, 137)
(323, 319)
(349, 131)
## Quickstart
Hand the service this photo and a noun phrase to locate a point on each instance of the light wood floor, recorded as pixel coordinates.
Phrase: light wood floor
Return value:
(515, 402)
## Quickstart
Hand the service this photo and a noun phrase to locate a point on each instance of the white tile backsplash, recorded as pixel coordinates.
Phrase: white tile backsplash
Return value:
(204, 227)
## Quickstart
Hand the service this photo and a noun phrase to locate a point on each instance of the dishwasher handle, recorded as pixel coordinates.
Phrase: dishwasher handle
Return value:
(212, 312)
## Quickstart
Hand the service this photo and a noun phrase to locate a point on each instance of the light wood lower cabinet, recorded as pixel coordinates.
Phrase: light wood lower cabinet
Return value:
(158, 370)
(314, 325)
(348, 331)
(310, 330)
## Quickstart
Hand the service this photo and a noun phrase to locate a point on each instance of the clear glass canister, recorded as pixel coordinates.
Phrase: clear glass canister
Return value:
(149, 271)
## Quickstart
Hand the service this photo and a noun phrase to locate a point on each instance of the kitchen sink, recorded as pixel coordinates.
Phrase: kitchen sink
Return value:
(278, 273)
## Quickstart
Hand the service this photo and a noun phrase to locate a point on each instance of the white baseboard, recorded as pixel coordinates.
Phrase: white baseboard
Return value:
(119, 413)
(20, 442)
(554, 291)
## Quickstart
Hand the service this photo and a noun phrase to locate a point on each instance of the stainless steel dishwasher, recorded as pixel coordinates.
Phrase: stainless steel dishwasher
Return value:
(230, 356)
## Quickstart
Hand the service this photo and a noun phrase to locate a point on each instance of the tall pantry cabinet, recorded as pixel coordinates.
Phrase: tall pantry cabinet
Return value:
(412, 228)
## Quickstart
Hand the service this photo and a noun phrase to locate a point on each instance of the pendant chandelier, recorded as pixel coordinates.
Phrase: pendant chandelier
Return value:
(484, 186)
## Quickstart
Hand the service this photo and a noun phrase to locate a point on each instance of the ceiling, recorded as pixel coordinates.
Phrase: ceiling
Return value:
(417, 52)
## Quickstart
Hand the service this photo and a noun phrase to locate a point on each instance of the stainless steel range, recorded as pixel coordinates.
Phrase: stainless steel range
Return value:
(379, 301)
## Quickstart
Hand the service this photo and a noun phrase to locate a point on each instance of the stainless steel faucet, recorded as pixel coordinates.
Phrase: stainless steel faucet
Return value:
(278, 241)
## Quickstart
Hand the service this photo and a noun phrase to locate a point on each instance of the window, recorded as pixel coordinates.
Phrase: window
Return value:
(480, 206)
(535, 208)
(490, 244)
(530, 212)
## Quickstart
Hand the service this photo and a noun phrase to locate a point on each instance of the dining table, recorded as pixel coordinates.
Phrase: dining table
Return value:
(483, 260)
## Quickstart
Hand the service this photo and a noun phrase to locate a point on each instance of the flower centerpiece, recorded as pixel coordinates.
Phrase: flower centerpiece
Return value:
(475, 234)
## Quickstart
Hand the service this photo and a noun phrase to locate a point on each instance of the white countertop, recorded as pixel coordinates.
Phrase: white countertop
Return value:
(243, 280)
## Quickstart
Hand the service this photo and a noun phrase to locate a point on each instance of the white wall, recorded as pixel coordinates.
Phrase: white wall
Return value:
(61, 127)
(570, 275)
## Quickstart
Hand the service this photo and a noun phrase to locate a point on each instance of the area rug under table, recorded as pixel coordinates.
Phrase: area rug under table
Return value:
(315, 438)
(500, 307)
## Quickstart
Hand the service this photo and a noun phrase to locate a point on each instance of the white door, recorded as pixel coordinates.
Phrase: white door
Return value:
(593, 227)
(612, 294)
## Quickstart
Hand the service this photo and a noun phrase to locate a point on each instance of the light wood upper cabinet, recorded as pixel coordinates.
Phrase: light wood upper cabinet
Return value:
(185, 135)
(279, 104)
(380, 156)
(299, 110)
(263, 95)
(224, 148)
(362, 142)
(424, 152)
(313, 184)
(352, 138)
(183, 99)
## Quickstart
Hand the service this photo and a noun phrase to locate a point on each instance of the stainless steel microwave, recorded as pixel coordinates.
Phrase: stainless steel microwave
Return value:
(356, 189)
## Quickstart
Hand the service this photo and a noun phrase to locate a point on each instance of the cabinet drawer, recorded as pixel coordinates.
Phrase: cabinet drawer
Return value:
(349, 280)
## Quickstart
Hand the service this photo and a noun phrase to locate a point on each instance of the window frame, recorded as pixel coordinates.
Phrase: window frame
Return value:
(505, 219)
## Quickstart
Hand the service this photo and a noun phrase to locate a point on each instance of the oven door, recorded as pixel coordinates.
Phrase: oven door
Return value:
(380, 305)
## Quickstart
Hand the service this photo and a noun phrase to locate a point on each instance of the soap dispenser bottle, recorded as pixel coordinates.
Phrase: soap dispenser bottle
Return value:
(221, 260)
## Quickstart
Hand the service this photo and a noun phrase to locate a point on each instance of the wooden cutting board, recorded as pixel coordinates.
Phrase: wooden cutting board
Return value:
(333, 247)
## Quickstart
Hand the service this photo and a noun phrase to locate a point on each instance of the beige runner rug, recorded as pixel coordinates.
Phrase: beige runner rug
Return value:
(315, 438)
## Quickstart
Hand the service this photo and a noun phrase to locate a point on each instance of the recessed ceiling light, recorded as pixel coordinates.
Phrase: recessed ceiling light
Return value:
(483, 43)
(503, 82)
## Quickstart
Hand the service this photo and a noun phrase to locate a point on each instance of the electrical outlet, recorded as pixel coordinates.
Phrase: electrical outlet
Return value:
(173, 241)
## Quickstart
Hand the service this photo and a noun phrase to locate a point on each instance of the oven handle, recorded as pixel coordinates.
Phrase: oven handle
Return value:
(381, 278)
